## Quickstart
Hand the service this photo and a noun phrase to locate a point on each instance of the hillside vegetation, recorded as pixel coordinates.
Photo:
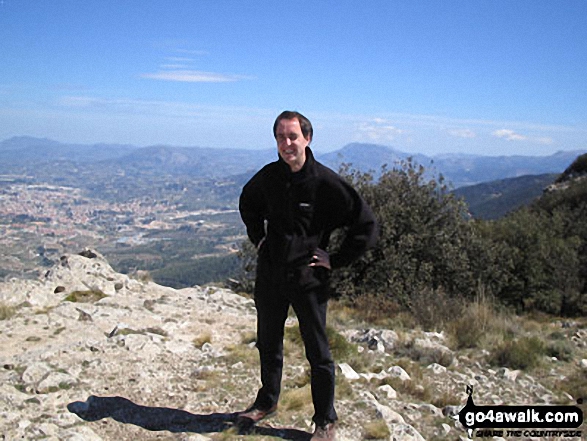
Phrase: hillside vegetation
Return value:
(533, 259)
(494, 199)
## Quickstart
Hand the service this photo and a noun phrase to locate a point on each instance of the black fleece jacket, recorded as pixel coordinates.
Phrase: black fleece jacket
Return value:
(289, 215)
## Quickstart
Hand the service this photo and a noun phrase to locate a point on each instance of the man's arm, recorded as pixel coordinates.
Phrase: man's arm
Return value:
(251, 208)
(363, 230)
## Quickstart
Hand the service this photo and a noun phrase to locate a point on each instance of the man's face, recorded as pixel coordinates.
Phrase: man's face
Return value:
(291, 143)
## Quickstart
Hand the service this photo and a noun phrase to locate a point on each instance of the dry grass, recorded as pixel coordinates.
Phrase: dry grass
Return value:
(296, 399)
(482, 325)
(376, 430)
(433, 309)
(248, 337)
(203, 338)
(240, 353)
(374, 310)
(418, 387)
(576, 386)
(90, 296)
(6, 312)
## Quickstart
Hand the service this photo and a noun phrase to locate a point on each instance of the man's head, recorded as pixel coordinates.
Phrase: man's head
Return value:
(305, 123)
(293, 133)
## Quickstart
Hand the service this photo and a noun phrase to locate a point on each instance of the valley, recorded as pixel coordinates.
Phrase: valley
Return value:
(174, 211)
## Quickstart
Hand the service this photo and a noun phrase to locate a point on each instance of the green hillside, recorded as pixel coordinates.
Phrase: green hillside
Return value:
(492, 200)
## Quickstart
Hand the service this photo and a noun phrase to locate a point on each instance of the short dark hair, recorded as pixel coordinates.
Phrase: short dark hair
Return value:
(305, 123)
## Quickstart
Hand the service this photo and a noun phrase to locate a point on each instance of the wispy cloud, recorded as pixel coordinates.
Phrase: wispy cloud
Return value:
(155, 108)
(180, 68)
(174, 66)
(191, 51)
(462, 133)
(509, 135)
(194, 76)
(379, 130)
(179, 59)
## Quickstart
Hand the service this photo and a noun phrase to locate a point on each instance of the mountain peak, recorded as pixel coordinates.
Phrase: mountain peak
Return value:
(19, 142)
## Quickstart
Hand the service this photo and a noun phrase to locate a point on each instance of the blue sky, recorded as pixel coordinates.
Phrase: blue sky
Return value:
(485, 77)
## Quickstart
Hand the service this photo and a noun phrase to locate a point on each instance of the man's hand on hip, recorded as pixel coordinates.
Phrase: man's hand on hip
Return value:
(320, 258)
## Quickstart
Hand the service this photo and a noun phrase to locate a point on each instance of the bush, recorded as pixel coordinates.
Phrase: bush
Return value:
(426, 243)
(524, 353)
(561, 349)
(540, 261)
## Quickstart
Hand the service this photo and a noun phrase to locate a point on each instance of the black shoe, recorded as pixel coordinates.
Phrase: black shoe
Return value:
(253, 414)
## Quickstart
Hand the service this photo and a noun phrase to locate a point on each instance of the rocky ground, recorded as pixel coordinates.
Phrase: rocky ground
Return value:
(90, 354)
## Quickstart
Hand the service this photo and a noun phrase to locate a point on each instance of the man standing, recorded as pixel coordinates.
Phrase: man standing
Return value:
(290, 208)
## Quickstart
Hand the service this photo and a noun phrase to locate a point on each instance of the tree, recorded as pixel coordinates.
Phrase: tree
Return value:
(426, 241)
(541, 263)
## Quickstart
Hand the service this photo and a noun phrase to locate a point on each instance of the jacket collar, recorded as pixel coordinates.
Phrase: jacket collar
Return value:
(308, 165)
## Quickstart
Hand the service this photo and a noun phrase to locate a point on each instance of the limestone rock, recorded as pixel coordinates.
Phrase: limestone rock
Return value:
(138, 359)
(429, 350)
(375, 339)
(348, 372)
(399, 372)
(405, 432)
(388, 391)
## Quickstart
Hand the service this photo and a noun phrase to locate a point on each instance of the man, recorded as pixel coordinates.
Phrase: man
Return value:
(290, 208)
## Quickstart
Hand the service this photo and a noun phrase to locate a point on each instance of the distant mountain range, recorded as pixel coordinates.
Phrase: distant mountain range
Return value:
(20, 154)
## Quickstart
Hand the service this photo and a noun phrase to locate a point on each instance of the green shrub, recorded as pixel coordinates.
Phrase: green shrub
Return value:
(524, 353)
(426, 244)
(541, 262)
(534, 259)
(561, 349)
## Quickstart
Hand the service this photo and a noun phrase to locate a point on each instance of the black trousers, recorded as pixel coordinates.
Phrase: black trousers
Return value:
(310, 307)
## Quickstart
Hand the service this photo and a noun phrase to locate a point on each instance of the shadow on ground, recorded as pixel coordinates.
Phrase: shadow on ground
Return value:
(174, 420)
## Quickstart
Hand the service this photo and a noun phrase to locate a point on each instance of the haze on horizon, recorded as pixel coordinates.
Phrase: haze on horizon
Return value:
(491, 77)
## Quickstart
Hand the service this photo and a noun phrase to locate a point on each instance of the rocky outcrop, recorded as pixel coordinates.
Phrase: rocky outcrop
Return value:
(90, 354)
